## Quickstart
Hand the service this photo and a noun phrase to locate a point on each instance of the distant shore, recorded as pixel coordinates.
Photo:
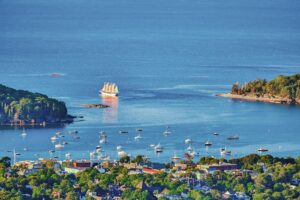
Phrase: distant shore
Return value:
(260, 99)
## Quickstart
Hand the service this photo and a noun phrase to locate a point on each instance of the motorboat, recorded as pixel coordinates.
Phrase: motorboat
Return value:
(158, 148)
(123, 132)
(262, 149)
(58, 133)
(99, 150)
(73, 132)
(208, 143)
(119, 147)
(102, 141)
(190, 148)
(138, 137)
(23, 134)
(98, 147)
(167, 131)
(188, 141)
(92, 153)
(68, 155)
(54, 138)
(175, 157)
(224, 152)
(233, 137)
(58, 146)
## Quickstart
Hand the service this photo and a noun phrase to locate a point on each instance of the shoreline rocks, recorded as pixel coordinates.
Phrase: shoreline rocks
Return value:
(275, 100)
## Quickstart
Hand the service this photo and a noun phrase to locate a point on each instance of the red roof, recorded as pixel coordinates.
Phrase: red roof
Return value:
(151, 171)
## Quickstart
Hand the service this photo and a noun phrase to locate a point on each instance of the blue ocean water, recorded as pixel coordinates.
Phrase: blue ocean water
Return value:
(169, 59)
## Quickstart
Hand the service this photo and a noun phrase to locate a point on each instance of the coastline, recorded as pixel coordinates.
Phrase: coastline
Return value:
(259, 99)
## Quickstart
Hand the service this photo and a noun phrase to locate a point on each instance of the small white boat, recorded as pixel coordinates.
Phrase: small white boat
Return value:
(262, 149)
(99, 150)
(208, 143)
(103, 134)
(188, 141)
(64, 143)
(119, 147)
(54, 138)
(123, 132)
(51, 151)
(158, 148)
(58, 146)
(25, 149)
(58, 133)
(224, 152)
(23, 134)
(98, 147)
(175, 157)
(68, 155)
(139, 129)
(167, 131)
(233, 137)
(138, 137)
(106, 158)
(73, 132)
(122, 153)
(190, 148)
(192, 153)
(152, 145)
(216, 134)
(92, 154)
(102, 141)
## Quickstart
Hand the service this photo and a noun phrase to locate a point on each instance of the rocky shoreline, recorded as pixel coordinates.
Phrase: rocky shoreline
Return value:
(275, 100)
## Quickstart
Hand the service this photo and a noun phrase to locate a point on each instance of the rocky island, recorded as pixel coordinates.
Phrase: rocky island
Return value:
(20, 107)
(281, 90)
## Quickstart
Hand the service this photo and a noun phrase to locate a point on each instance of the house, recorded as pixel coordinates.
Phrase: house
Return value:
(74, 170)
(173, 197)
(180, 167)
(228, 195)
(205, 189)
(242, 196)
(217, 167)
(151, 171)
(143, 186)
(81, 163)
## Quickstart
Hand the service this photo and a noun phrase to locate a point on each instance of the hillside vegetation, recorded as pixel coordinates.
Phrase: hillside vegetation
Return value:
(20, 106)
(286, 88)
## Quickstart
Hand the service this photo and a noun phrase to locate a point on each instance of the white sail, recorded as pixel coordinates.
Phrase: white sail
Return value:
(109, 89)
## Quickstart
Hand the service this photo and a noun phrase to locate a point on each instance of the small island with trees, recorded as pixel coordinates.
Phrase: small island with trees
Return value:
(281, 90)
(20, 107)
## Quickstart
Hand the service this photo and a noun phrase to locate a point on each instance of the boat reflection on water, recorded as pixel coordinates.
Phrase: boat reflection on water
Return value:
(110, 114)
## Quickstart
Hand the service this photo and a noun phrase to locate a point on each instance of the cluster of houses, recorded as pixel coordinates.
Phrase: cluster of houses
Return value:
(178, 171)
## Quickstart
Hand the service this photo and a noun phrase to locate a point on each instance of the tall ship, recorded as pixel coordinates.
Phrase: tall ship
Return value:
(109, 89)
